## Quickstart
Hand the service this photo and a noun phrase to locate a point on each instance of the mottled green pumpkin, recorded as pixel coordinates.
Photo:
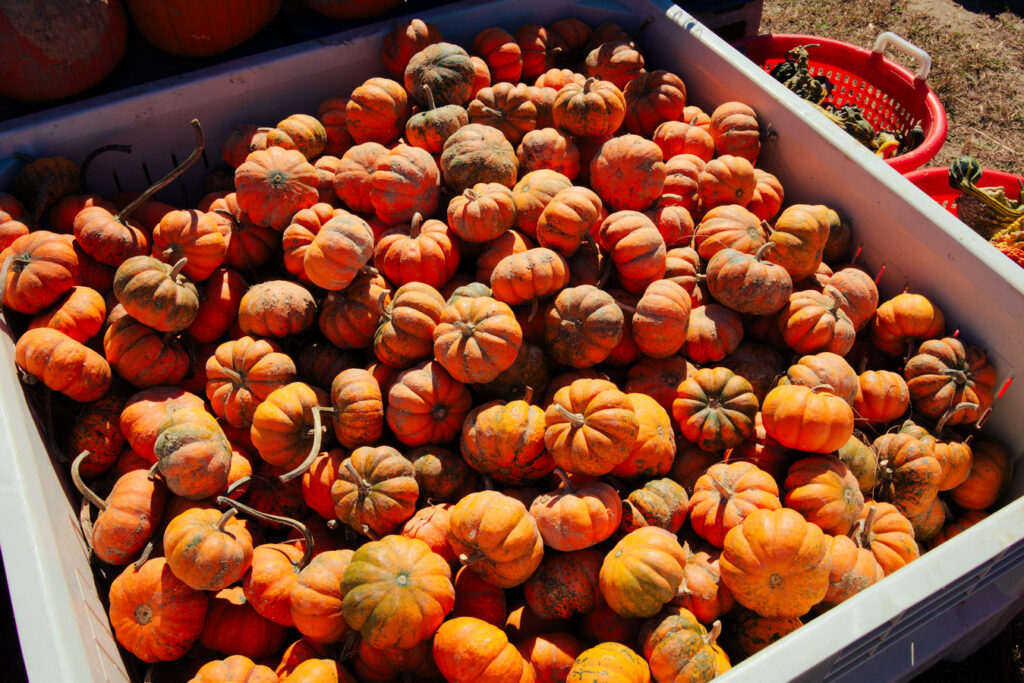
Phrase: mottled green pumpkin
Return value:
(443, 69)
(478, 154)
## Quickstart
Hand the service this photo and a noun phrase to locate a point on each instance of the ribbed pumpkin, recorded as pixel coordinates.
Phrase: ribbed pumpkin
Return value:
(564, 584)
(609, 663)
(592, 109)
(811, 322)
(339, 250)
(138, 353)
(476, 339)
(219, 300)
(377, 111)
(407, 38)
(431, 127)
(305, 225)
(474, 597)
(350, 317)
(276, 308)
(241, 374)
(156, 294)
(388, 664)
(636, 248)
(905, 320)
(397, 592)
(146, 412)
(405, 335)
(679, 648)
(234, 668)
(582, 326)
(676, 137)
(702, 591)
(852, 570)
(506, 107)
(991, 471)
(616, 60)
(79, 314)
(353, 180)
(193, 455)
(63, 364)
(41, 266)
(807, 419)
(591, 427)
(628, 173)
(799, 237)
(726, 180)
(651, 99)
(272, 184)
(506, 442)
(943, 375)
(857, 294)
(530, 275)
(375, 491)
(748, 283)
(825, 492)
(425, 405)
(882, 396)
(284, 425)
(533, 193)
(888, 534)
(482, 213)
(909, 475)
(715, 408)
(358, 408)
(551, 654)
(824, 368)
(734, 129)
(427, 252)
(468, 649)
(726, 494)
(660, 502)
(207, 549)
(443, 69)
(551, 149)
(643, 572)
(405, 181)
(567, 219)
(577, 515)
(155, 615)
(775, 563)
(191, 235)
(510, 549)
(478, 154)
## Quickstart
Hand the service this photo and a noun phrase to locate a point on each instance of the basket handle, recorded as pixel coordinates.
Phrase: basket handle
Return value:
(890, 39)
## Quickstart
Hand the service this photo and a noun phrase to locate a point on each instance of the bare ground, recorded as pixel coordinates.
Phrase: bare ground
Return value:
(977, 50)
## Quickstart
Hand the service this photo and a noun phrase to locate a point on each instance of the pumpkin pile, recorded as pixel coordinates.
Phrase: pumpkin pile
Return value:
(510, 366)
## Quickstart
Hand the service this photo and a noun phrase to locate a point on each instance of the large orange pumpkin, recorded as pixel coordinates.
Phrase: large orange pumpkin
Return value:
(469, 649)
(495, 536)
(591, 427)
(643, 572)
(715, 408)
(426, 405)
(577, 516)
(374, 491)
(476, 339)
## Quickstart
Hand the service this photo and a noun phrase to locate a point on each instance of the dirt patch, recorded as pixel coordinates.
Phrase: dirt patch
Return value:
(977, 50)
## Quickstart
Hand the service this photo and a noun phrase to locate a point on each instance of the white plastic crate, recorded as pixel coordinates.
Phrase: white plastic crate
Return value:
(948, 602)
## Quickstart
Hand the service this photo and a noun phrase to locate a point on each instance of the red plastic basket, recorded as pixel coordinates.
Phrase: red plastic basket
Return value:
(934, 182)
(891, 96)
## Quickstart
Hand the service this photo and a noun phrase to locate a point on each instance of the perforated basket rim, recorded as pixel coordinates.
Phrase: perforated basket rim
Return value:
(935, 123)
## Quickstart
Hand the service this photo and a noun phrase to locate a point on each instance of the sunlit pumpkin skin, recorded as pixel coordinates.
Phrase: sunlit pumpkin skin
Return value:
(283, 423)
(193, 455)
(148, 411)
(353, 181)
(139, 354)
(407, 38)
(476, 339)
(549, 148)
(478, 154)
(748, 283)
(582, 326)
(43, 265)
(567, 219)
(682, 183)
(882, 396)
(674, 222)
(616, 61)
(431, 127)
(909, 475)
(272, 576)
(511, 547)
(726, 179)
(991, 471)
(642, 572)
(564, 584)
(317, 670)
(405, 181)
(155, 615)
(824, 368)
(852, 570)
(396, 592)
(905, 320)
(339, 250)
(636, 247)
(734, 128)
(333, 115)
(317, 481)
(468, 649)
(578, 515)
(805, 419)
(593, 109)
(957, 527)
(952, 452)
(506, 442)
(79, 313)
(551, 655)
(590, 427)
(628, 173)
(651, 99)
(702, 592)
(108, 237)
(676, 137)
(502, 53)
(812, 322)
(426, 405)
(929, 523)
(506, 107)
(609, 663)
(219, 300)
(207, 549)
(234, 668)
(558, 78)
(375, 488)
(377, 111)
(825, 492)
(768, 195)
(133, 511)
(532, 194)
(358, 408)
(192, 235)
(241, 374)
(799, 237)
(482, 213)
(63, 364)
(441, 474)
(889, 535)
(944, 374)
(727, 494)
(679, 648)
(405, 335)
(427, 252)
(775, 563)
(443, 69)
(715, 408)
(350, 317)
(728, 226)
(857, 295)
(273, 184)
(659, 502)
(533, 274)
(431, 525)
(305, 225)
(276, 308)
(682, 265)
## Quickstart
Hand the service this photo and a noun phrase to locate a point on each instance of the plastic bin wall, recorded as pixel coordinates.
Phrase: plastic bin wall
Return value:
(912, 618)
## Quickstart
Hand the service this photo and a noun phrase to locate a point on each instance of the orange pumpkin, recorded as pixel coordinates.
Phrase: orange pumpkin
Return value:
(272, 184)
(577, 515)
(506, 107)
(726, 179)
(405, 335)
(426, 405)
(287, 424)
(431, 127)
(726, 494)
(241, 374)
(339, 250)
(776, 564)
(193, 454)
(376, 111)
(904, 321)
(506, 442)
(405, 181)
(358, 408)
(715, 408)
(138, 353)
(350, 317)
(748, 283)
(276, 308)
(407, 38)
(628, 173)
(888, 534)
(728, 226)
(63, 364)
(191, 235)
(476, 339)
(564, 584)
(857, 294)
(812, 420)
(582, 326)
(528, 276)
(567, 219)
(991, 471)
(427, 253)
(678, 647)
(533, 193)
(548, 148)
(234, 668)
(643, 572)
(825, 492)
(615, 60)
(207, 549)
(591, 427)
(825, 368)
(40, 267)
(374, 491)
(944, 375)
(469, 649)
(551, 655)
(353, 180)
(502, 53)
(882, 396)
(702, 591)
(511, 548)
(636, 248)
(853, 569)
(79, 314)
(734, 128)
(811, 323)
(593, 109)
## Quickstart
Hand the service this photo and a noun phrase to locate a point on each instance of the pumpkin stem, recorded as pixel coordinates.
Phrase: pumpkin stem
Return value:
(233, 375)
(566, 484)
(588, 84)
(153, 471)
(533, 311)
(318, 435)
(225, 518)
(122, 215)
(369, 533)
(606, 272)
(488, 482)
(238, 484)
(818, 388)
(417, 223)
(37, 210)
(528, 395)
(867, 522)
(348, 648)
(716, 630)
(576, 419)
(626, 307)
(470, 195)
(497, 113)
(959, 377)
(307, 550)
(84, 171)
(235, 225)
(465, 328)
(85, 519)
(767, 226)
(758, 255)
(364, 488)
(720, 487)
(948, 415)
(176, 268)
(146, 552)
(76, 478)
(430, 98)
(471, 559)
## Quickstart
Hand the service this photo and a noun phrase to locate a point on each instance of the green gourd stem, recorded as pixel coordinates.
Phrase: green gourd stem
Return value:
(76, 479)
(958, 376)
(238, 484)
(234, 376)
(37, 210)
(307, 551)
(576, 419)
(712, 636)
(362, 486)
(84, 171)
(176, 268)
(318, 435)
(946, 416)
(564, 478)
(472, 558)
(225, 518)
(123, 214)
(144, 556)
